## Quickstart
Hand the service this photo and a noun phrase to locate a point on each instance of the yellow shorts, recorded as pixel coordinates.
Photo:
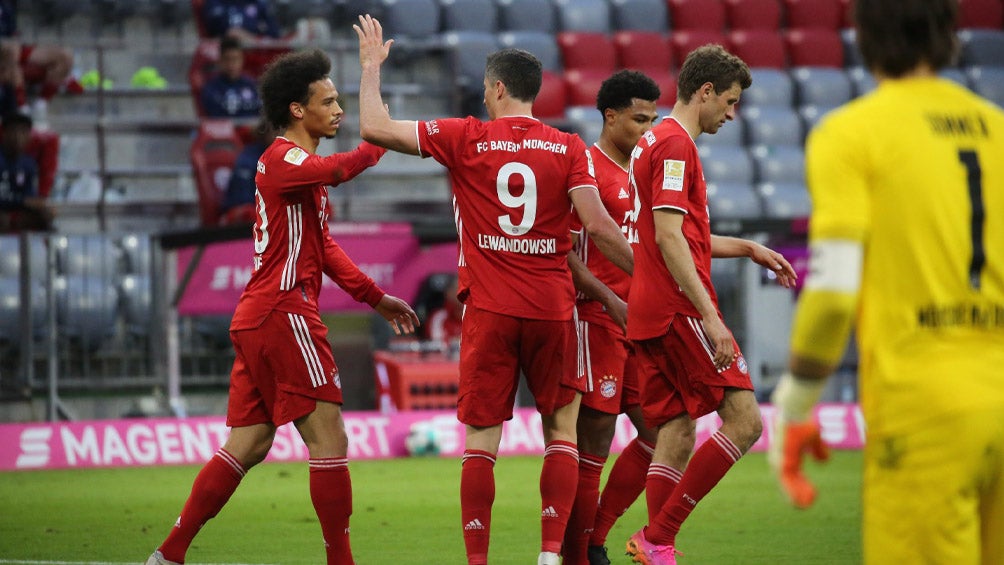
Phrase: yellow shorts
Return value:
(936, 495)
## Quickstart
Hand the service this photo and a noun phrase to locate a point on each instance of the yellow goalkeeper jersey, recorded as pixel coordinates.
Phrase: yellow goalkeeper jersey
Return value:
(914, 171)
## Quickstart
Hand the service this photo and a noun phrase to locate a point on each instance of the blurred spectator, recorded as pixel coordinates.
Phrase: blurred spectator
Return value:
(248, 20)
(238, 201)
(443, 324)
(230, 93)
(23, 65)
(21, 208)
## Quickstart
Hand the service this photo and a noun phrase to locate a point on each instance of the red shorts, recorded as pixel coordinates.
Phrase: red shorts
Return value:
(495, 348)
(282, 368)
(611, 370)
(677, 373)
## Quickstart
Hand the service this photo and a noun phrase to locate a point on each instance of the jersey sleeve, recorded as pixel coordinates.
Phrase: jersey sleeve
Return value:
(339, 268)
(301, 169)
(835, 164)
(441, 139)
(672, 173)
(581, 173)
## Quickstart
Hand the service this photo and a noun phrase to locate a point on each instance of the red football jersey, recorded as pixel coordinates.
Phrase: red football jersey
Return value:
(291, 241)
(666, 173)
(615, 192)
(511, 178)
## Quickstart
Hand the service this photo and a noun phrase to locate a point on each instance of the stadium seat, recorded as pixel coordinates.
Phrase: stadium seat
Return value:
(988, 82)
(542, 45)
(784, 201)
(135, 302)
(958, 76)
(697, 14)
(640, 15)
(136, 254)
(86, 255)
(468, 51)
(587, 51)
(726, 163)
(753, 14)
(733, 201)
(826, 14)
(862, 79)
(586, 121)
(821, 86)
(814, 48)
(981, 47)
(86, 310)
(582, 85)
(469, 15)
(413, 19)
(685, 41)
(759, 48)
(731, 134)
(771, 125)
(10, 257)
(289, 12)
(551, 100)
(852, 55)
(213, 153)
(848, 8)
(43, 146)
(643, 50)
(771, 87)
(780, 164)
(667, 87)
(987, 14)
(811, 114)
(527, 15)
(583, 15)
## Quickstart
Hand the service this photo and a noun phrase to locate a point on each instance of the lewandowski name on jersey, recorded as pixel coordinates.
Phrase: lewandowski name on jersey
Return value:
(524, 246)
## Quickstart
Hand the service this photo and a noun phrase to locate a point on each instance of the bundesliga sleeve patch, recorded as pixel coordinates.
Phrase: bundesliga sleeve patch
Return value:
(295, 156)
(672, 174)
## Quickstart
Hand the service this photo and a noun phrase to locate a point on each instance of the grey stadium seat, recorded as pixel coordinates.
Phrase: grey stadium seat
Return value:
(852, 55)
(771, 125)
(86, 309)
(583, 15)
(771, 87)
(640, 15)
(727, 164)
(542, 45)
(780, 164)
(821, 86)
(527, 15)
(812, 114)
(733, 201)
(862, 79)
(981, 47)
(784, 200)
(469, 15)
(732, 134)
(415, 19)
(468, 50)
(955, 75)
(93, 255)
(586, 121)
(988, 82)
(135, 301)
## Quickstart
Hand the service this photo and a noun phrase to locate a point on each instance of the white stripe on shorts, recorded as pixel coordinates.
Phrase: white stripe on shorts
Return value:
(310, 357)
(695, 325)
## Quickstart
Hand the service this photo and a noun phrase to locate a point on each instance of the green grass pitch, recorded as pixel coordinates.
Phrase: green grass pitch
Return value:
(406, 511)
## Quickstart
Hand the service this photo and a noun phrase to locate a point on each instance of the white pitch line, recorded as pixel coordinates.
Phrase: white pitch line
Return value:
(30, 562)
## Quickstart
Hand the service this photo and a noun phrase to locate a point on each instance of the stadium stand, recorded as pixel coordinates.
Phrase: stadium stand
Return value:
(640, 15)
(213, 154)
(733, 201)
(527, 15)
(697, 14)
(771, 125)
(771, 87)
(685, 41)
(469, 15)
(759, 48)
(981, 47)
(814, 47)
(987, 14)
(809, 14)
(588, 51)
(552, 99)
(646, 51)
(583, 15)
(821, 86)
(753, 14)
(988, 82)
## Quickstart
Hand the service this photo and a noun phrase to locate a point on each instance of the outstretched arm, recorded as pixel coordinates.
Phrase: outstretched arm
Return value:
(375, 123)
(727, 247)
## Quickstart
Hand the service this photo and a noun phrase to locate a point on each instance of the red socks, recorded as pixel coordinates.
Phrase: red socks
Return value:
(625, 483)
(558, 482)
(331, 493)
(580, 522)
(477, 494)
(213, 486)
(709, 464)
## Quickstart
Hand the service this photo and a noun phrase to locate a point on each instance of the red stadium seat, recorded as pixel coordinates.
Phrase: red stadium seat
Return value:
(582, 86)
(848, 7)
(667, 88)
(551, 100)
(753, 14)
(759, 48)
(683, 42)
(213, 154)
(200, 23)
(697, 14)
(987, 14)
(587, 50)
(826, 14)
(645, 51)
(814, 48)
(43, 146)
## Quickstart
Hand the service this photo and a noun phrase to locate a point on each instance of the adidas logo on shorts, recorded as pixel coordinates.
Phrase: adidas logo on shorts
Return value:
(548, 512)
(474, 524)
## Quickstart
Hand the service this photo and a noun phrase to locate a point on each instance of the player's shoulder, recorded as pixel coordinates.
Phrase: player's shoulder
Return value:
(284, 152)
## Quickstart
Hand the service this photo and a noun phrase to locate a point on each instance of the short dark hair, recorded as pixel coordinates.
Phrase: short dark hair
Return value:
(287, 80)
(518, 70)
(711, 63)
(622, 87)
(230, 42)
(15, 119)
(897, 35)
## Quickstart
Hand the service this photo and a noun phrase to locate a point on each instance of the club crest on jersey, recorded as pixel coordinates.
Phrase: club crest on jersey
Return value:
(295, 156)
(672, 174)
(741, 364)
(608, 386)
(335, 379)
